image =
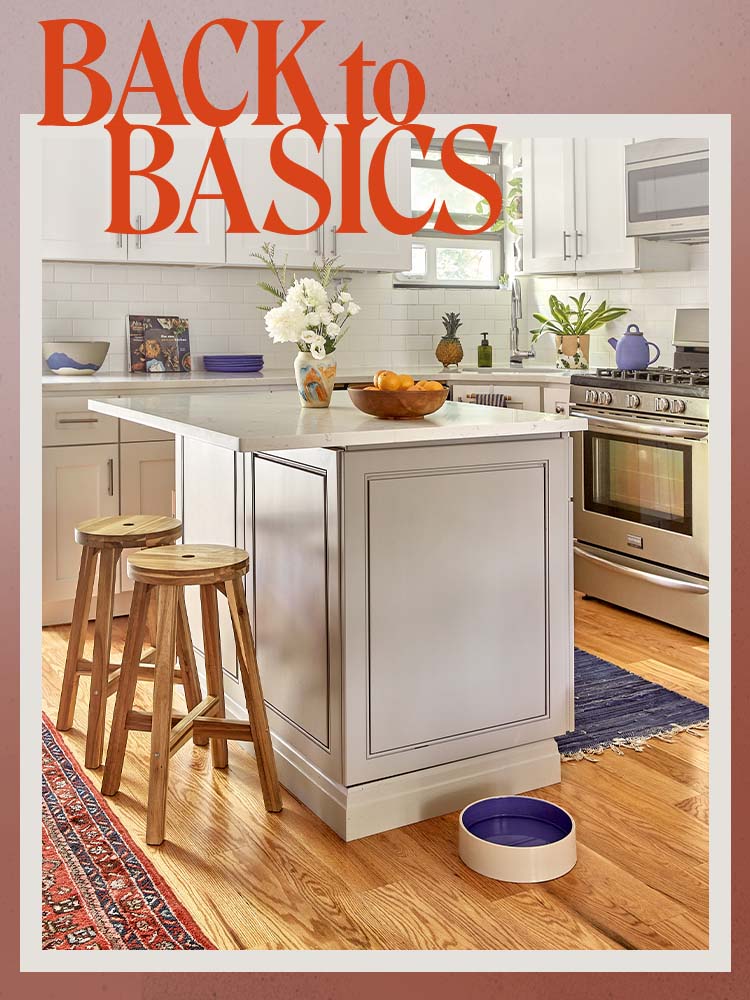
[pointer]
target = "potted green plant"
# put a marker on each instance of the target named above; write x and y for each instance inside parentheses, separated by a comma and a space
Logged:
(449, 351)
(571, 327)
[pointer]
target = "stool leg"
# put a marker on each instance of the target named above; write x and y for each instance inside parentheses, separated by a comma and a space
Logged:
(100, 661)
(256, 708)
(190, 681)
(118, 737)
(214, 674)
(161, 718)
(77, 638)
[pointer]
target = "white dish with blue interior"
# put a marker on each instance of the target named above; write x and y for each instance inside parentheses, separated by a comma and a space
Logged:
(75, 357)
(513, 838)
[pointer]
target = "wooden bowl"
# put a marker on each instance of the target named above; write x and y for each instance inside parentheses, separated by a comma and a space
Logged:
(399, 404)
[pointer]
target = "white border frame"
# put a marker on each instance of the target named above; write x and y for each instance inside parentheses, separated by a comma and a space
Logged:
(717, 957)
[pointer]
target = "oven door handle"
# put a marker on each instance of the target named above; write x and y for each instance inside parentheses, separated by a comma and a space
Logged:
(644, 429)
(642, 574)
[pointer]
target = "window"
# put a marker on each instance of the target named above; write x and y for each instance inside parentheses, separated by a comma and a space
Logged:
(440, 258)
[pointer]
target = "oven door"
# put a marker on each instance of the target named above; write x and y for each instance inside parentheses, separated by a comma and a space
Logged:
(641, 488)
(667, 196)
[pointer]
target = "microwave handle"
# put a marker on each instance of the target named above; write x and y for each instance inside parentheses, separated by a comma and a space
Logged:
(657, 430)
(642, 574)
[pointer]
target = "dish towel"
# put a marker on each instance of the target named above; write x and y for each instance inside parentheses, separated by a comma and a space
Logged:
(491, 399)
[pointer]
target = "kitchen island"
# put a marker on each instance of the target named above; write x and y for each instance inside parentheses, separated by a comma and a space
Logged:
(410, 587)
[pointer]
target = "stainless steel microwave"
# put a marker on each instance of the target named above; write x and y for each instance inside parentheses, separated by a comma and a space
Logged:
(666, 185)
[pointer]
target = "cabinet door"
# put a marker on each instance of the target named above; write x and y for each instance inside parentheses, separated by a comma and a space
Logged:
(76, 196)
(548, 206)
(207, 245)
(78, 482)
(556, 398)
(146, 484)
(600, 240)
(377, 249)
(261, 186)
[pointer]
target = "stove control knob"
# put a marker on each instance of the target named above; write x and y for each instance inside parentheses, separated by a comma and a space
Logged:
(633, 400)
(592, 396)
(661, 404)
(605, 397)
(677, 406)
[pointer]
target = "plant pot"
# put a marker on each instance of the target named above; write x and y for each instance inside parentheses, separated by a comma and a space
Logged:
(572, 351)
(449, 352)
(314, 379)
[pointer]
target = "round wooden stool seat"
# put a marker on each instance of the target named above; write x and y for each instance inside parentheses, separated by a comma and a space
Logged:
(128, 532)
(181, 565)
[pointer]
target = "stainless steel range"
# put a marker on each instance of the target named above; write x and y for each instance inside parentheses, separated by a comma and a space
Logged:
(641, 491)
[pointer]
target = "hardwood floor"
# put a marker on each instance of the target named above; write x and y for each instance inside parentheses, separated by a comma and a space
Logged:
(257, 880)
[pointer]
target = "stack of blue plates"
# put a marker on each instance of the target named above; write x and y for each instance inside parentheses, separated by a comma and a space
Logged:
(233, 362)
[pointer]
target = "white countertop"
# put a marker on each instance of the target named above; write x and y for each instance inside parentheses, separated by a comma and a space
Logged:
(268, 421)
(136, 382)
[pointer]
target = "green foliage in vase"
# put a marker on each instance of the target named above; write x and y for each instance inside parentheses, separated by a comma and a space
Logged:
(326, 270)
(575, 320)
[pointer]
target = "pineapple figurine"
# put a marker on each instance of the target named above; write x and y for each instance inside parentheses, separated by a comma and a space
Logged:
(449, 351)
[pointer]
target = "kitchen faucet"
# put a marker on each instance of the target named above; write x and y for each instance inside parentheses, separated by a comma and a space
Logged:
(516, 312)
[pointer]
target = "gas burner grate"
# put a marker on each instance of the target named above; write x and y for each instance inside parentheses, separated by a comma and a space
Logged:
(661, 376)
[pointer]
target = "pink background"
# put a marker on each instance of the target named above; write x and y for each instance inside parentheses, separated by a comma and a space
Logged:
(536, 57)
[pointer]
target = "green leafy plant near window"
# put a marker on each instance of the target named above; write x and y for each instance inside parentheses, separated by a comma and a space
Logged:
(575, 320)
(511, 208)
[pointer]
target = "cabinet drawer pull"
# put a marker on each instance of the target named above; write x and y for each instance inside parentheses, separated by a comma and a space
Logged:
(139, 236)
(119, 241)
(333, 234)
(566, 237)
(579, 236)
(78, 420)
(111, 476)
(317, 240)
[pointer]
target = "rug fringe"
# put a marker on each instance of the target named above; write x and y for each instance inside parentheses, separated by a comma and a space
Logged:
(637, 743)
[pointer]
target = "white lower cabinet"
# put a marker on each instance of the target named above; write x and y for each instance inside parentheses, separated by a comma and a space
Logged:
(146, 484)
(517, 397)
(555, 398)
(78, 482)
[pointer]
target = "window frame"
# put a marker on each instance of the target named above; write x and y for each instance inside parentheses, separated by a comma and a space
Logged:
(430, 239)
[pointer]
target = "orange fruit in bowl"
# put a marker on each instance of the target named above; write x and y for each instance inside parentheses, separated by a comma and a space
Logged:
(372, 388)
(432, 385)
(382, 371)
(389, 381)
(406, 382)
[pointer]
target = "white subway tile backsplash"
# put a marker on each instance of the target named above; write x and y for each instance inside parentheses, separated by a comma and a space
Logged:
(399, 327)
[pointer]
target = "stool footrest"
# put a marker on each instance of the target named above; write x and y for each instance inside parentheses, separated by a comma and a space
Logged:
(182, 732)
(141, 722)
(228, 729)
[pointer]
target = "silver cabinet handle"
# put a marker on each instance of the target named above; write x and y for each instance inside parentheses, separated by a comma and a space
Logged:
(139, 236)
(317, 240)
(641, 574)
(333, 234)
(119, 241)
(78, 420)
(111, 476)
(579, 236)
(566, 237)
(644, 429)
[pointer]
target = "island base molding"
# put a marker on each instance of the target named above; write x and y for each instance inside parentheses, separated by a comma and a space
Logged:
(386, 804)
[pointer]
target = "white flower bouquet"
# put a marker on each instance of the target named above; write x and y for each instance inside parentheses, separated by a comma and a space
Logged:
(308, 314)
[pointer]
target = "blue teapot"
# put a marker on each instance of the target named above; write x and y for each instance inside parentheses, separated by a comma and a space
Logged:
(632, 350)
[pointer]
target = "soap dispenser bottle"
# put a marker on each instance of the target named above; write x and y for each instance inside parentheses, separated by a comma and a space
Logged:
(484, 353)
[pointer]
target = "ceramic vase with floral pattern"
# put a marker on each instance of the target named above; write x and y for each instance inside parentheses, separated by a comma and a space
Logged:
(314, 379)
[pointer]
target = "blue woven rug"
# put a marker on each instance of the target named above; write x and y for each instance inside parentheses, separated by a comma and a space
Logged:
(617, 710)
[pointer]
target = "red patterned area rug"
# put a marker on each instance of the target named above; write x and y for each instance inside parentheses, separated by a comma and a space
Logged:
(99, 891)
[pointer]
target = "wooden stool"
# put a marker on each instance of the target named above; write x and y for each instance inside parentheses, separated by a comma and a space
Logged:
(168, 570)
(103, 539)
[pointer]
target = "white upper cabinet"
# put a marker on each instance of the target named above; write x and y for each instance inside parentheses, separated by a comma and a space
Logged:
(548, 206)
(76, 196)
(206, 245)
(250, 156)
(601, 243)
(574, 206)
(377, 249)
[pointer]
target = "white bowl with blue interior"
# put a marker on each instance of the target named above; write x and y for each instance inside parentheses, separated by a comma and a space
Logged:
(513, 838)
(75, 357)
